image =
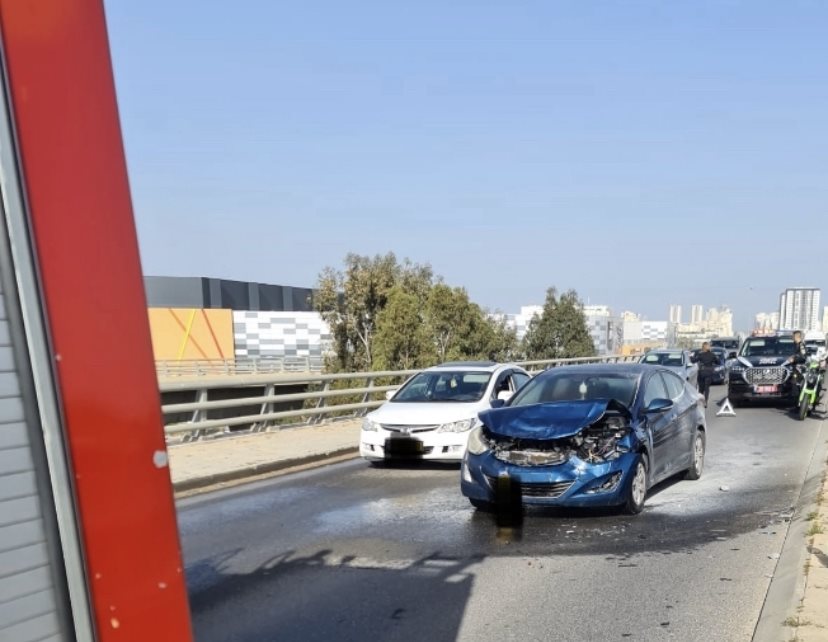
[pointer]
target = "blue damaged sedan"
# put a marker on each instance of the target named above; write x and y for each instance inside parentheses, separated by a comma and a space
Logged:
(593, 435)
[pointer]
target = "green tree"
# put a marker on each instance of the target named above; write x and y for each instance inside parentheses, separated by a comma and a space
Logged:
(350, 301)
(541, 340)
(489, 338)
(447, 314)
(460, 329)
(560, 332)
(402, 341)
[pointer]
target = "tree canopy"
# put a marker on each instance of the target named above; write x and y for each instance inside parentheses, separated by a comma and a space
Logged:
(384, 314)
(390, 315)
(560, 331)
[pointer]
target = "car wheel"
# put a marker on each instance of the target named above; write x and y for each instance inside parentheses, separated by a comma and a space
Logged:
(637, 487)
(697, 455)
(481, 505)
(377, 463)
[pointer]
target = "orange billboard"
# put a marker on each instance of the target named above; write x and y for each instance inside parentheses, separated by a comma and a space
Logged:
(184, 334)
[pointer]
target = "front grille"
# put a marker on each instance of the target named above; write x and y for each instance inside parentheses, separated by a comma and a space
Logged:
(406, 428)
(760, 376)
(532, 457)
(550, 490)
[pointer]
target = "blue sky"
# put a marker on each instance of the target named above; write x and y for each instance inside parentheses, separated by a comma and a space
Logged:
(643, 153)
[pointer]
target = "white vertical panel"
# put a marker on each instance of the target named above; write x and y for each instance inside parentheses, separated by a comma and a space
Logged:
(28, 610)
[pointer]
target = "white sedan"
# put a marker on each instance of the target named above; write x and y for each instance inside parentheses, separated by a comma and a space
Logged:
(430, 416)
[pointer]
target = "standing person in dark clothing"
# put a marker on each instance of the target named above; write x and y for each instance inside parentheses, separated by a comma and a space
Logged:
(800, 354)
(707, 361)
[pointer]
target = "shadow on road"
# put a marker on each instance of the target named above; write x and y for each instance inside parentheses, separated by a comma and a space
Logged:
(320, 596)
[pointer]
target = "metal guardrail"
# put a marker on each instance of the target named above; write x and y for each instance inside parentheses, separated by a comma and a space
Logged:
(358, 395)
(240, 366)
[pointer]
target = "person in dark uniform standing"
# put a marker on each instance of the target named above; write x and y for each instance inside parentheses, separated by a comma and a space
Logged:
(800, 353)
(799, 356)
(707, 361)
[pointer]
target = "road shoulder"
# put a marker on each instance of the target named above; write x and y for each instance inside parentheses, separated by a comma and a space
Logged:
(796, 605)
(201, 466)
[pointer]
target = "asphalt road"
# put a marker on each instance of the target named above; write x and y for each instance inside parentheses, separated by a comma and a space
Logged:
(351, 552)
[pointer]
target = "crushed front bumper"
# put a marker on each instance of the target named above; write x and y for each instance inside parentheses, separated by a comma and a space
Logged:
(566, 484)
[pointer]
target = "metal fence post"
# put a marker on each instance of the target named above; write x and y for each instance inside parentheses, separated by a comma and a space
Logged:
(198, 416)
(365, 398)
(322, 403)
(267, 407)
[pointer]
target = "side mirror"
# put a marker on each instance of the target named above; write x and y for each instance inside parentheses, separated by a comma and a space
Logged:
(505, 395)
(658, 405)
(498, 403)
(389, 394)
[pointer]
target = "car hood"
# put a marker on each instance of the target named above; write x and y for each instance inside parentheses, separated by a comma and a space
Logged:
(426, 413)
(556, 420)
(753, 362)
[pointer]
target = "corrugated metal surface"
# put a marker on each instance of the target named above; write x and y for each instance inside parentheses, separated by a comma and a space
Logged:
(28, 609)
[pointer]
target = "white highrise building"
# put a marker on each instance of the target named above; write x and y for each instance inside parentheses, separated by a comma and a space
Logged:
(697, 314)
(766, 321)
(825, 319)
(675, 314)
(720, 321)
(799, 309)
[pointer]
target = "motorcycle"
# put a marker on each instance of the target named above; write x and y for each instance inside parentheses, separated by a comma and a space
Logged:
(812, 373)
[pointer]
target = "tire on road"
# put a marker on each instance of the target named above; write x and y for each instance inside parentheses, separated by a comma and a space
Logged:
(804, 406)
(697, 456)
(635, 493)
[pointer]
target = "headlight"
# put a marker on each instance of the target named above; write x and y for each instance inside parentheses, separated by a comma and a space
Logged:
(477, 444)
(458, 426)
(370, 425)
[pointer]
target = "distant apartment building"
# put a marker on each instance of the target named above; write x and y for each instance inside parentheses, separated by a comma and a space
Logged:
(799, 309)
(640, 335)
(766, 321)
(605, 329)
(719, 322)
(825, 319)
(675, 314)
(640, 331)
(696, 314)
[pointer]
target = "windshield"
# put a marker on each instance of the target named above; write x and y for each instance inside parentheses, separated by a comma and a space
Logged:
(453, 385)
(574, 386)
(730, 344)
(663, 358)
(768, 347)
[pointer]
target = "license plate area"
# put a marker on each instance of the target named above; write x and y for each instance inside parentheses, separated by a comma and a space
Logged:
(403, 447)
(766, 390)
